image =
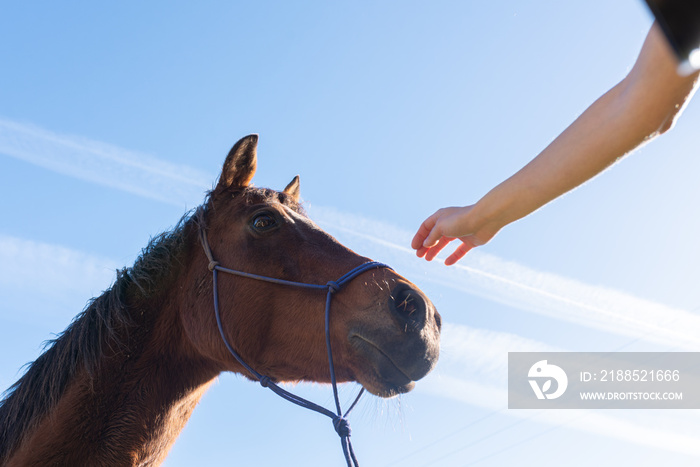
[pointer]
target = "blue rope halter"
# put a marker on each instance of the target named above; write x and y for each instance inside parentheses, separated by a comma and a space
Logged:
(339, 419)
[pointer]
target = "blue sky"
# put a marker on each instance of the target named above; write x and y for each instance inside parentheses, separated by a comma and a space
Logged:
(115, 119)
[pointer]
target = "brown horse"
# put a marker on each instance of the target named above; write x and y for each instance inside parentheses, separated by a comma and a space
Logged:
(119, 384)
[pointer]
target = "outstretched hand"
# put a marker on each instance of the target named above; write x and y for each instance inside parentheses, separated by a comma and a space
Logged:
(444, 226)
(642, 106)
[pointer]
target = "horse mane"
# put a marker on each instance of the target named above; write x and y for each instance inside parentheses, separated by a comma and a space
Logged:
(107, 322)
(103, 324)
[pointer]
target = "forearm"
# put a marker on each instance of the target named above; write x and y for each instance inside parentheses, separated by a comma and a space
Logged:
(642, 106)
(601, 135)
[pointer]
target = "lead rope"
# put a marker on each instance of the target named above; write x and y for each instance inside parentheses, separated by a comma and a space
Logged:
(339, 419)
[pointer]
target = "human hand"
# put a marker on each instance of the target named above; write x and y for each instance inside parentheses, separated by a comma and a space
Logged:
(444, 226)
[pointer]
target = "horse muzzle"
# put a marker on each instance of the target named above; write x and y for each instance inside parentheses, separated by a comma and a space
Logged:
(403, 348)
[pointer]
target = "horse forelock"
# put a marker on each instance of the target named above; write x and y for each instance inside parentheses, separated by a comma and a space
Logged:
(250, 195)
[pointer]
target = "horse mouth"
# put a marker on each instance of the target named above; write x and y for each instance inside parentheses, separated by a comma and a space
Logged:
(381, 376)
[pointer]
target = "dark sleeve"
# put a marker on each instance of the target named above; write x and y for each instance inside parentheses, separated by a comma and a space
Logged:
(680, 22)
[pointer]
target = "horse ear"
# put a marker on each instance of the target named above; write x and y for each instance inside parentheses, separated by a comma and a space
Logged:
(293, 189)
(240, 164)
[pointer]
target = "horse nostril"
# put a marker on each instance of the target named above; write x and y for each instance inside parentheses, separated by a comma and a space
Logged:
(409, 307)
(405, 302)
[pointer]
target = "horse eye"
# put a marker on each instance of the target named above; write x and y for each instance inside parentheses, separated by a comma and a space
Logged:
(263, 222)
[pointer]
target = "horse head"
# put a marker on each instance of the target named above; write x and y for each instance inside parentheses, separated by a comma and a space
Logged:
(118, 385)
(384, 330)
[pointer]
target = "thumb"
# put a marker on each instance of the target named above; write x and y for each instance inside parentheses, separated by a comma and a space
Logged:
(433, 237)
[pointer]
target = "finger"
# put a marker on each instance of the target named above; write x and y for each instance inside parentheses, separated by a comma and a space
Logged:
(423, 231)
(434, 237)
(420, 252)
(459, 253)
(437, 248)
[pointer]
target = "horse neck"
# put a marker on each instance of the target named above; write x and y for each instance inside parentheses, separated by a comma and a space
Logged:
(131, 410)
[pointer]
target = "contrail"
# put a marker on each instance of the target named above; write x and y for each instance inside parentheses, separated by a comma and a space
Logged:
(479, 274)
(653, 430)
(104, 164)
(30, 270)
(473, 370)
(521, 287)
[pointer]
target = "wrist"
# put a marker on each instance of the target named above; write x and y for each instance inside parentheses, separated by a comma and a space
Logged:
(490, 214)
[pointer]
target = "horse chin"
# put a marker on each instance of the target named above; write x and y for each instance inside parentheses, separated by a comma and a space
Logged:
(378, 373)
(388, 391)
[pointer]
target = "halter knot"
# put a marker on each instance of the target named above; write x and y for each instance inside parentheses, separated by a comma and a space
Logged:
(213, 264)
(342, 427)
(333, 286)
(265, 381)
